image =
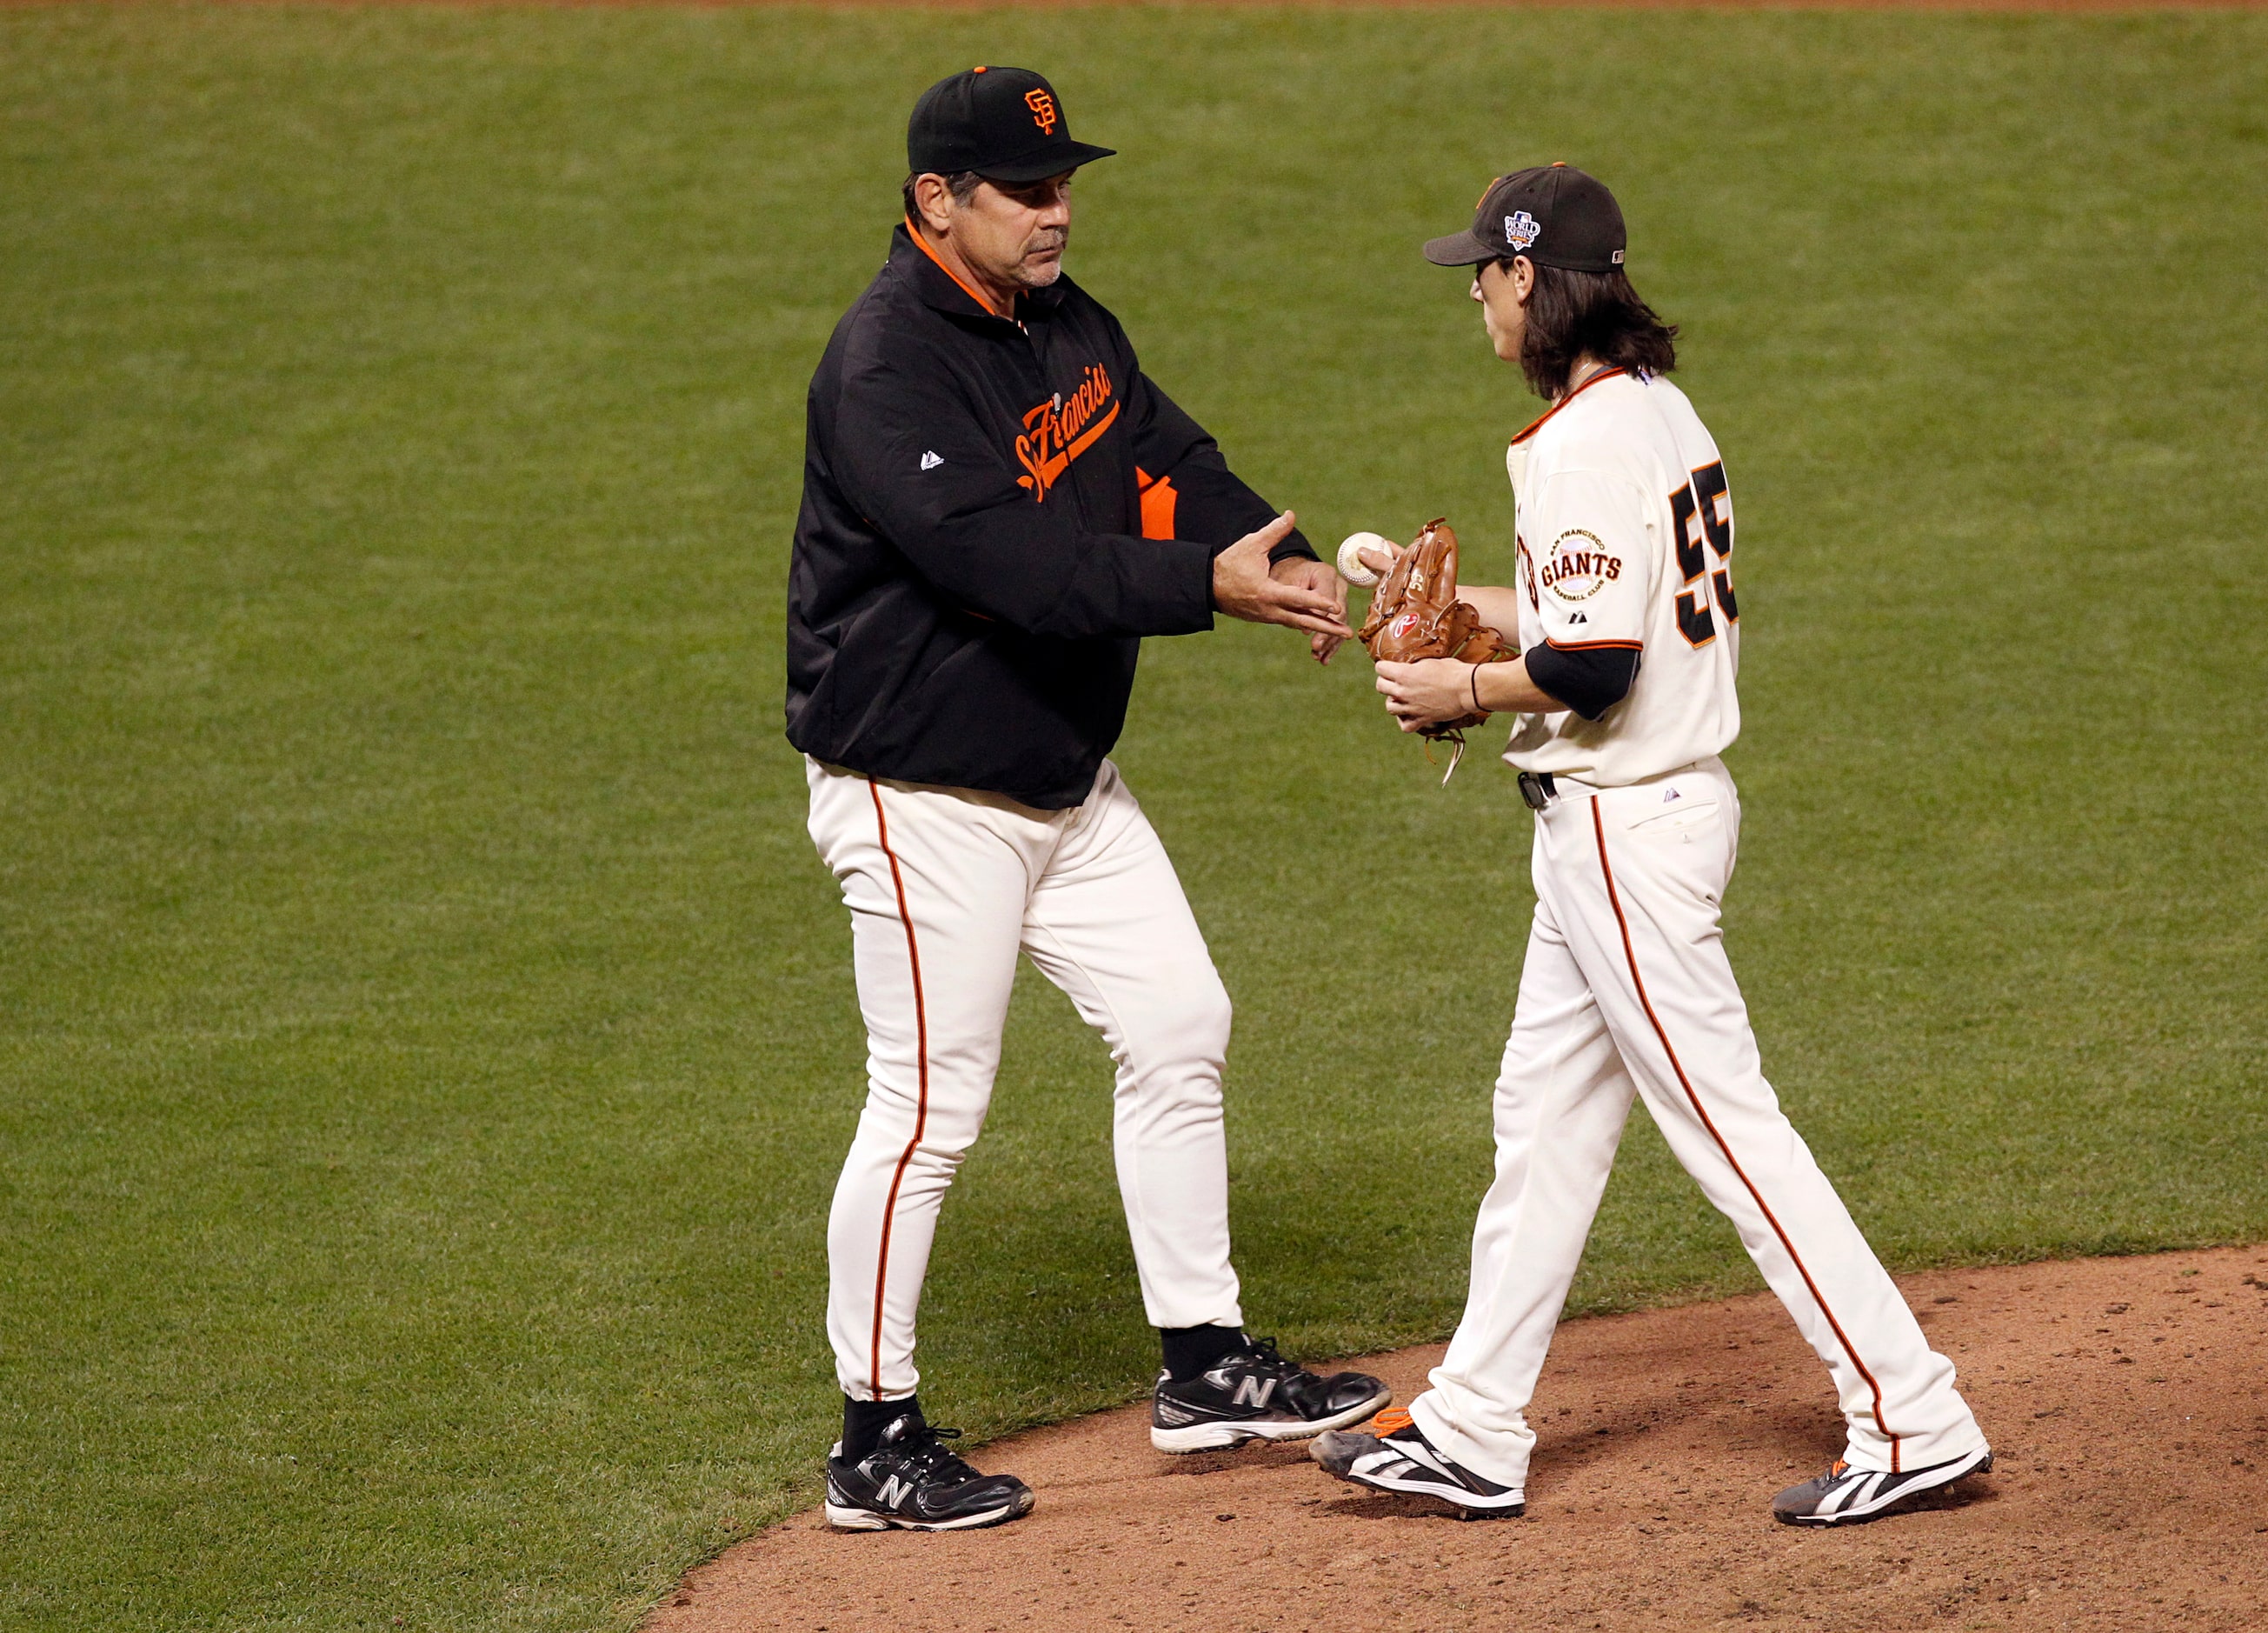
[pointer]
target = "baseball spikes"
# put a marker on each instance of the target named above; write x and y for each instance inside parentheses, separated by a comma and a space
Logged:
(911, 1482)
(1846, 1496)
(1403, 1460)
(1257, 1394)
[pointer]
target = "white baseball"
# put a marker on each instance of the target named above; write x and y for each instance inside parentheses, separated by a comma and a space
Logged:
(1352, 567)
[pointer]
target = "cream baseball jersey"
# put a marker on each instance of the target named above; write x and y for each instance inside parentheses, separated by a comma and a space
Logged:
(1626, 532)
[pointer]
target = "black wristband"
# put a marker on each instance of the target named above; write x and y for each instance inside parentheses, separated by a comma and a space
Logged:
(1478, 709)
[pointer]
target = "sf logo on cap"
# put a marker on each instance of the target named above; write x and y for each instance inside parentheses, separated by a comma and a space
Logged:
(1043, 110)
(1522, 229)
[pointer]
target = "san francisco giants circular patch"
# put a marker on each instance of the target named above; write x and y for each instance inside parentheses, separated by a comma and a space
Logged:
(1578, 566)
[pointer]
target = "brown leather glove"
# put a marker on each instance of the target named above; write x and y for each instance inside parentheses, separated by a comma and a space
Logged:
(1416, 614)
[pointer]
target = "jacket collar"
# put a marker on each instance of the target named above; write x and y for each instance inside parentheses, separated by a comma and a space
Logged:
(939, 286)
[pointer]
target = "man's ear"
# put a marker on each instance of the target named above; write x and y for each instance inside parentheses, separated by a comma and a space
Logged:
(934, 197)
(1523, 278)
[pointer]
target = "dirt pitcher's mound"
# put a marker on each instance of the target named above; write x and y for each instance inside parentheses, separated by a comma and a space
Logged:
(2127, 1401)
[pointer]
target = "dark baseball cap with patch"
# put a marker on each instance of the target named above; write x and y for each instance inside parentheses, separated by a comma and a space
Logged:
(1006, 124)
(1553, 214)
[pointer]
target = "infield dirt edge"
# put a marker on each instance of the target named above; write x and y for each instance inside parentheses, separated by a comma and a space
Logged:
(2106, 1384)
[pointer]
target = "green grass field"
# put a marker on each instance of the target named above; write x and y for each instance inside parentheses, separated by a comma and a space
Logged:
(427, 1035)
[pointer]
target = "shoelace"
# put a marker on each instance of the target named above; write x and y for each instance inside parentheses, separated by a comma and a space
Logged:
(927, 1453)
(1265, 1357)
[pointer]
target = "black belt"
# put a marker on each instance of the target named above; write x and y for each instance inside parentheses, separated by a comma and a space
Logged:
(1537, 789)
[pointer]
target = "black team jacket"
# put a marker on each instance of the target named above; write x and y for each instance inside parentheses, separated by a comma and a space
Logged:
(995, 512)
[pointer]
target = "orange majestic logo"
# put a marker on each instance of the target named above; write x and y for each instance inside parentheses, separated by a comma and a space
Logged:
(1061, 429)
(1043, 110)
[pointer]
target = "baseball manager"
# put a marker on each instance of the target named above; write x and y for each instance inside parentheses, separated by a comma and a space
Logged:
(997, 507)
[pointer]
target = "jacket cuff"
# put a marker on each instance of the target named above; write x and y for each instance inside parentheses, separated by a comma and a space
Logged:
(1295, 547)
(1193, 610)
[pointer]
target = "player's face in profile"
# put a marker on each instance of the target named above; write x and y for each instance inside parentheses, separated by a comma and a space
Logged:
(1013, 233)
(1503, 296)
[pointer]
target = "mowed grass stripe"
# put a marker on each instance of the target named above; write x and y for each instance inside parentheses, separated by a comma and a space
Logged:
(428, 1036)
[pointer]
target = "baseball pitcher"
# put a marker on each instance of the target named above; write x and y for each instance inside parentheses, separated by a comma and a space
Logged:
(1621, 678)
(997, 506)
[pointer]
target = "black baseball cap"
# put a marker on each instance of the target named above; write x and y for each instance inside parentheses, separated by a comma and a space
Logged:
(1553, 214)
(1006, 124)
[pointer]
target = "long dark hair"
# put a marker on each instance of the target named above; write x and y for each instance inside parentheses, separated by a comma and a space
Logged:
(1570, 314)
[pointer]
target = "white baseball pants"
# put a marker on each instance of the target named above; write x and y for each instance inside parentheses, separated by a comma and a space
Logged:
(1626, 989)
(945, 887)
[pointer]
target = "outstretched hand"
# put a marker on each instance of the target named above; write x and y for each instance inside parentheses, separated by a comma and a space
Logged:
(1302, 573)
(1243, 586)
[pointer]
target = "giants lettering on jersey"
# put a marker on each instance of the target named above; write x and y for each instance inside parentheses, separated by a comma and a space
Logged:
(1579, 565)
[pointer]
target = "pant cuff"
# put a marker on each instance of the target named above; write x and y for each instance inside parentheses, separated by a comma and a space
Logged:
(1489, 1460)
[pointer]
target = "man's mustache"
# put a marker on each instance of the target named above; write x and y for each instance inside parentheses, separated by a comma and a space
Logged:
(1041, 243)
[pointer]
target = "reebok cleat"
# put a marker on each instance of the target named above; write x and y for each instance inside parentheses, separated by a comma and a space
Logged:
(1405, 1462)
(1845, 1496)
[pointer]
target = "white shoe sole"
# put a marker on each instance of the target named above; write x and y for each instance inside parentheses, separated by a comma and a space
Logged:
(1511, 1506)
(1976, 1463)
(1213, 1437)
(866, 1519)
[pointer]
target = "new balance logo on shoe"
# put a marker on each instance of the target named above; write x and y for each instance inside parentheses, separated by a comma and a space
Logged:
(892, 1492)
(1257, 1394)
(931, 460)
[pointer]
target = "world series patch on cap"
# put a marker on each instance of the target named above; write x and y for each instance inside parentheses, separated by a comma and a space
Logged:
(1007, 124)
(1553, 214)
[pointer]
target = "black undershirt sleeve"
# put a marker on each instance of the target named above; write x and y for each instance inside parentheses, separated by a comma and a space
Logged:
(1589, 679)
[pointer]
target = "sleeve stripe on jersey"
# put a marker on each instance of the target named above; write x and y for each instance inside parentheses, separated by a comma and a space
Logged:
(1593, 646)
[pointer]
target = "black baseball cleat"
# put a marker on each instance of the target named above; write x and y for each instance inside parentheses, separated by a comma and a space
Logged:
(1257, 1394)
(1403, 1460)
(911, 1482)
(1845, 1496)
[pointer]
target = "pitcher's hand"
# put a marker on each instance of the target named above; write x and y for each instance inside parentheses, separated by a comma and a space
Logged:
(1427, 693)
(1244, 588)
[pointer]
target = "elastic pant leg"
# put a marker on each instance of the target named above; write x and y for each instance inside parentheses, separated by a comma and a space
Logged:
(1561, 1101)
(937, 885)
(1636, 877)
(1109, 924)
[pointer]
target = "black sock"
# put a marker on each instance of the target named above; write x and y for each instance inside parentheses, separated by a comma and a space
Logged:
(1190, 1350)
(864, 1421)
